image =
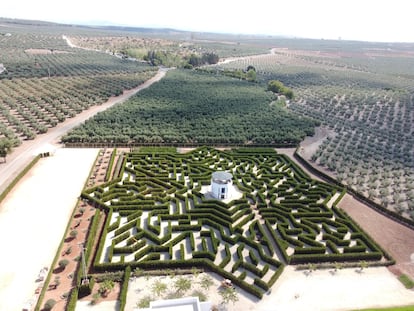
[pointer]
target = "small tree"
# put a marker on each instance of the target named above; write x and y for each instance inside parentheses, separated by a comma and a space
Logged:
(68, 250)
(106, 287)
(49, 304)
(138, 271)
(144, 302)
(206, 281)
(56, 281)
(362, 265)
(5, 147)
(229, 294)
(95, 298)
(338, 266)
(371, 193)
(73, 234)
(251, 75)
(201, 296)
(171, 273)
(63, 263)
(159, 287)
(195, 271)
(311, 267)
(182, 285)
(250, 67)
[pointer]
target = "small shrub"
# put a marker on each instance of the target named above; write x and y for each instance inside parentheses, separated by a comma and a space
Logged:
(144, 302)
(206, 281)
(406, 280)
(63, 263)
(65, 295)
(182, 284)
(73, 234)
(95, 298)
(201, 296)
(49, 304)
(56, 281)
(105, 287)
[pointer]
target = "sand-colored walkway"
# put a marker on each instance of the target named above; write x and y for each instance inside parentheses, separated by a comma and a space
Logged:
(321, 290)
(325, 291)
(33, 219)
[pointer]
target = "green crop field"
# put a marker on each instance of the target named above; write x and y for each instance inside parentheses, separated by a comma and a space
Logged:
(159, 215)
(190, 107)
(367, 103)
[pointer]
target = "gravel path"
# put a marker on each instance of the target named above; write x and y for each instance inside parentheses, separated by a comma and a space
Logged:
(396, 239)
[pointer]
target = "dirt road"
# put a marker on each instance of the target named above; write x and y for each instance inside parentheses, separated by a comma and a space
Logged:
(23, 154)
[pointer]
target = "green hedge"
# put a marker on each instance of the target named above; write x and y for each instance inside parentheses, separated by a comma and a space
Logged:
(407, 281)
(110, 165)
(303, 259)
(124, 289)
(86, 289)
(73, 299)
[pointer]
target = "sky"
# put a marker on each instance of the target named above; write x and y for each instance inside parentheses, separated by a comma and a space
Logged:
(365, 20)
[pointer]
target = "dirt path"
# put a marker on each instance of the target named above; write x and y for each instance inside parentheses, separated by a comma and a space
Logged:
(396, 239)
(23, 154)
(311, 143)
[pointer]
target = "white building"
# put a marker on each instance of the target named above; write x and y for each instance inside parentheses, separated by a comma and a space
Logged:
(180, 304)
(221, 183)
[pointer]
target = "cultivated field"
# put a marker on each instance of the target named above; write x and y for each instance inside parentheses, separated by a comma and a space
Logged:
(364, 99)
(196, 108)
(44, 81)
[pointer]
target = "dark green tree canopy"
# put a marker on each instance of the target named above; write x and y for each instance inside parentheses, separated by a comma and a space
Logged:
(195, 107)
(5, 147)
(206, 58)
(250, 67)
(276, 86)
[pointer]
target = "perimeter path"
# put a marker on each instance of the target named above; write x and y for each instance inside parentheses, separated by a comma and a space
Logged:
(23, 154)
(33, 218)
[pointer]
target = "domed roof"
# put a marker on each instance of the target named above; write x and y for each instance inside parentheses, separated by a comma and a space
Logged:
(221, 176)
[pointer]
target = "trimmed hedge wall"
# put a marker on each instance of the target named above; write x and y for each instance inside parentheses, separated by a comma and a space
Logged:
(393, 215)
(160, 209)
(124, 289)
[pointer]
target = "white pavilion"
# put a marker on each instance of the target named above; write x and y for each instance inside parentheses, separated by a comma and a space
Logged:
(221, 183)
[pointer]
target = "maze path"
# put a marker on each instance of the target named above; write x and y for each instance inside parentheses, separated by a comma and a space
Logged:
(158, 216)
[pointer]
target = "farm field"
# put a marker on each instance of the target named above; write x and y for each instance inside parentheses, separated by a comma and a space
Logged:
(196, 108)
(44, 81)
(364, 100)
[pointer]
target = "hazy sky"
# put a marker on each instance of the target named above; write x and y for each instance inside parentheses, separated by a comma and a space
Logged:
(371, 20)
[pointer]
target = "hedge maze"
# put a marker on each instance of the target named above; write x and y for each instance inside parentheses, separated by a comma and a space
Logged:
(159, 216)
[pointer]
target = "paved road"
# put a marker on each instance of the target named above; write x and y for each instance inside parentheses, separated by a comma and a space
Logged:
(22, 155)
